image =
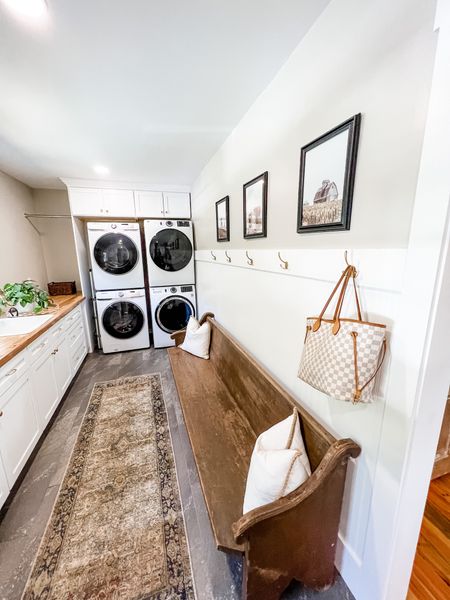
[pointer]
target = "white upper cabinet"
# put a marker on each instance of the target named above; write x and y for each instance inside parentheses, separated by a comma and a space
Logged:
(177, 205)
(91, 202)
(86, 202)
(118, 203)
(162, 205)
(149, 204)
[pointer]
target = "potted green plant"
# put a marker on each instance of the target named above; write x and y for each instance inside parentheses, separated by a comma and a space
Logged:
(25, 296)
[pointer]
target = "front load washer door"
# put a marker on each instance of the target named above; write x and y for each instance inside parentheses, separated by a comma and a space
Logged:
(173, 313)
(123, 320)
(170, 250)
(116, 253)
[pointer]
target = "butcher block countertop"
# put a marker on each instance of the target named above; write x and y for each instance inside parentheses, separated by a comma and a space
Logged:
(10, 345)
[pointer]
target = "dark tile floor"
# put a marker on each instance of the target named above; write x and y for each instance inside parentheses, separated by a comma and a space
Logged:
(216, 575)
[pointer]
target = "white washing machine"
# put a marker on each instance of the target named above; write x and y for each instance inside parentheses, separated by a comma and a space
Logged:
(171, 308)
(170, 252)
(122, 320)
(116, 256)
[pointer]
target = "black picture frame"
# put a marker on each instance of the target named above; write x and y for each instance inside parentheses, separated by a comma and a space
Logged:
(225, 238)
(343, 223)
(261, 231)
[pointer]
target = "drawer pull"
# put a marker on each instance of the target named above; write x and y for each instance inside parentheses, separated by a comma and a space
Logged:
(1, 413)
(11, 372)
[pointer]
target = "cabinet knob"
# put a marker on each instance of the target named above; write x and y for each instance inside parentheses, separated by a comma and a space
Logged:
(1, 413)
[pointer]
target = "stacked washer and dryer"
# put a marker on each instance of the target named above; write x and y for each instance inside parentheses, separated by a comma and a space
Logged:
(171, 274)
(118, 279)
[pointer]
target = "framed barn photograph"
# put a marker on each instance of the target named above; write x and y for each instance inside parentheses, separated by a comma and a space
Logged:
(223, 219)
(327, 173)
(255, 207)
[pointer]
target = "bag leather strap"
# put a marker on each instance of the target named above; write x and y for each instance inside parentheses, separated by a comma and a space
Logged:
(359, 390)
(349, 273)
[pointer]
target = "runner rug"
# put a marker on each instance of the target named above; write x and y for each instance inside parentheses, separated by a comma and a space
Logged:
(117, 529)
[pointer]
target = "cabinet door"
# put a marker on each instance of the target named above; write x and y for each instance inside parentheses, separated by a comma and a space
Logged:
(86, 202)
(118, 203)
(177, 205)
(4, 487)
(19, 427)
(149, 204)
(45, 391)
(62, 367)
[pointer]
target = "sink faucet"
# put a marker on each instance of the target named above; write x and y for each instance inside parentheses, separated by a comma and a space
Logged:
(13, 312)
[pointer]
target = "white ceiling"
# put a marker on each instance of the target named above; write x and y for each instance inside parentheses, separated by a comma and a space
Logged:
(150, 88)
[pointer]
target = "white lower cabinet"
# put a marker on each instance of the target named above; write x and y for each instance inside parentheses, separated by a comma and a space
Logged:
(4, 487)
(31, 386)
(62, 367)
(19, 427)
(45, 389)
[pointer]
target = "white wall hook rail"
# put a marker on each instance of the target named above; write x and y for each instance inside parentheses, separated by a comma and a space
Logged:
(378, 268)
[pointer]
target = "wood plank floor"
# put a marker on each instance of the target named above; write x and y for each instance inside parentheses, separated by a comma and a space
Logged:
(430, 579)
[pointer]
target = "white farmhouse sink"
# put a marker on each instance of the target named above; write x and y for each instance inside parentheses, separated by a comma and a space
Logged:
(21, 325)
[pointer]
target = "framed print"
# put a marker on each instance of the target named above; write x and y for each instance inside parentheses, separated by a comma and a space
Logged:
(255, 207)
(327, 173)
(223, 219)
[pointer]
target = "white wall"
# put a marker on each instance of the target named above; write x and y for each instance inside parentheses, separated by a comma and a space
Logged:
(22, 255)
(373, 57)
(56, 235)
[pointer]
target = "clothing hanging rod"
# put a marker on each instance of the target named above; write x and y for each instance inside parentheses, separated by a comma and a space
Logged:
(29, 216)
(44, 216)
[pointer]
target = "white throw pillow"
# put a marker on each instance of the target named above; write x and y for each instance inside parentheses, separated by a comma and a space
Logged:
(197, 338)
(279, 464)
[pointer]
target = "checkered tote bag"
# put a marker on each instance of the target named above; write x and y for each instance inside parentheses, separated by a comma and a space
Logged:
(342, 356)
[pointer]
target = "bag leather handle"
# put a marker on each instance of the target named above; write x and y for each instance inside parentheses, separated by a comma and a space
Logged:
(318, 321)
(348, 273)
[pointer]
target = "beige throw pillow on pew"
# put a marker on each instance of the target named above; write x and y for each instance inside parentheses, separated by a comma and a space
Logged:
(197, 338)
(279, 464)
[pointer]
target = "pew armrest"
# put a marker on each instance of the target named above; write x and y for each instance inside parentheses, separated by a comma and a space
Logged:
(336, 455)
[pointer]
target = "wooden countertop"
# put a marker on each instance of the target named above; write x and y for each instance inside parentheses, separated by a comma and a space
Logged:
(10, 345)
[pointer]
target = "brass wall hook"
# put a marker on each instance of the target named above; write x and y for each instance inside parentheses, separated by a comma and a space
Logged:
(228, 257)
(249, 260)
(213, 255)
(284, 263)
(354, 271)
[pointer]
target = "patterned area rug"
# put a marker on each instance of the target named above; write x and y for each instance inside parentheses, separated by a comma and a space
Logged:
(117, 530)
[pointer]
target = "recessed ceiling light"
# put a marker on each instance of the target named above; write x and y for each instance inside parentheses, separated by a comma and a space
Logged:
(101, 170)
(32, 11)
